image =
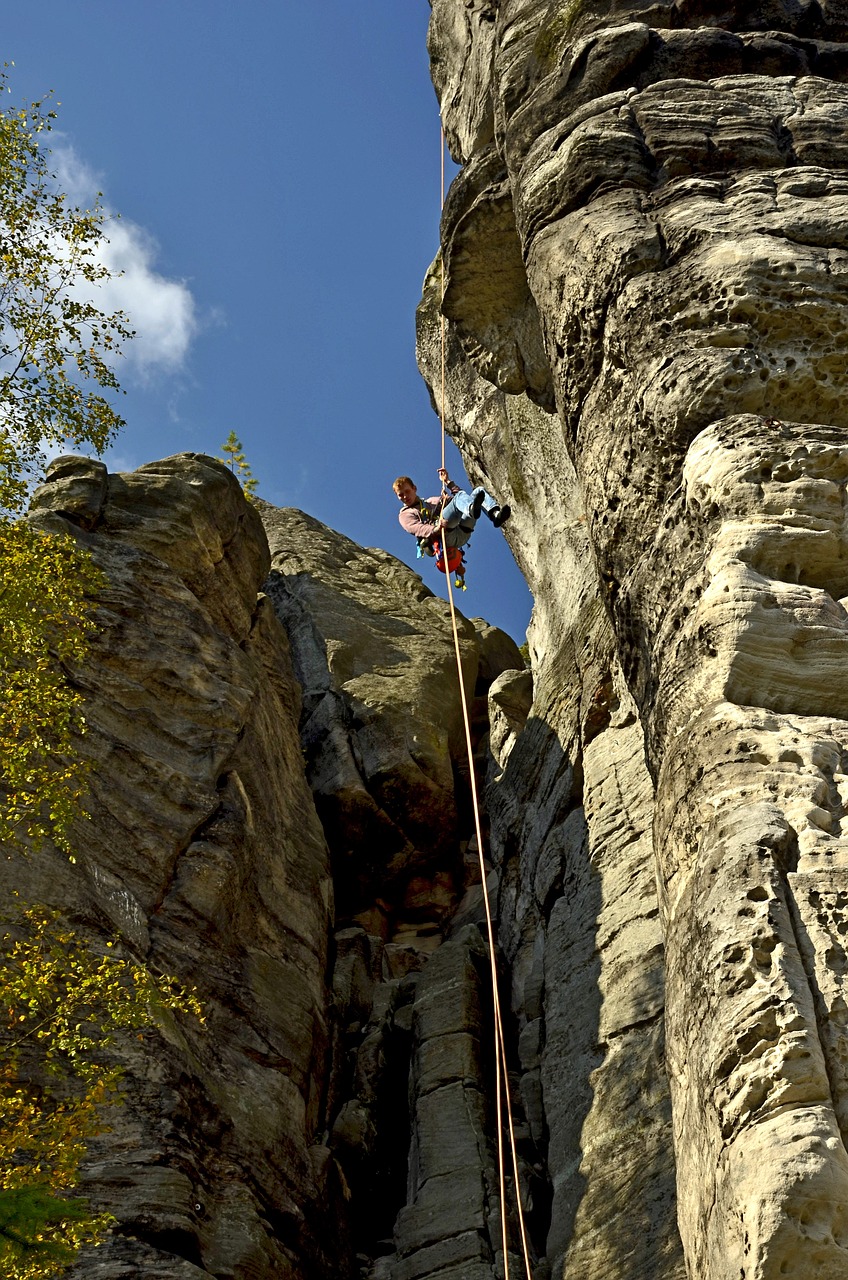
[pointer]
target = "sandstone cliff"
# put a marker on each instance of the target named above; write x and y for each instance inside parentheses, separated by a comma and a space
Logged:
(279, 816)
(204, 855)
(645, 286)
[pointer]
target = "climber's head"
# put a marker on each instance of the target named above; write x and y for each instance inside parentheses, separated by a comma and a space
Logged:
(406, 491)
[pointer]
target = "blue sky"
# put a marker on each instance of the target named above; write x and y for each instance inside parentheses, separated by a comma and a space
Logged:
(276, 168)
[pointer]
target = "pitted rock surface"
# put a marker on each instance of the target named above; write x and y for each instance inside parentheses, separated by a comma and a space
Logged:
(646, 270)
(673, 182)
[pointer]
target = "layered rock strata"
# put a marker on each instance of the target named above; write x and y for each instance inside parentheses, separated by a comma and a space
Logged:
(331, 1118)
(205, 857)
(384, 747)
(645, 287)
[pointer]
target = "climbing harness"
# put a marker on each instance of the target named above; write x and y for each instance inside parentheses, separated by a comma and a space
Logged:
(425, 545)
(433, 547)
(500, 1043)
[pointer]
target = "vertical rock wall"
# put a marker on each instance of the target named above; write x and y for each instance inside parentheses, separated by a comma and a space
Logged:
(279, 815)
(409, 1105)
(204, 856)
(645, 288)
(382, 726)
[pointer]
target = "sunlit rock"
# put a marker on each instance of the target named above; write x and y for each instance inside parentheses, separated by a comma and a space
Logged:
(680, 203)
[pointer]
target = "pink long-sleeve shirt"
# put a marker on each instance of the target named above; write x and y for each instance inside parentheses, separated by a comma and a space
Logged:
(411, 518)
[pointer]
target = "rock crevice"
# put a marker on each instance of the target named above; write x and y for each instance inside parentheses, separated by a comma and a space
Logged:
(677, 181)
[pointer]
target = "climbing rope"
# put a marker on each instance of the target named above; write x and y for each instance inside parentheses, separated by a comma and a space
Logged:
(501, 1073)
(441, 300)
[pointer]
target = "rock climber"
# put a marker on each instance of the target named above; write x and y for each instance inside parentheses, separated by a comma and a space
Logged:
(454, 512)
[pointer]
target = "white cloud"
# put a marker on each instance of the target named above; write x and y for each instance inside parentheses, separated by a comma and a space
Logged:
(162, 311)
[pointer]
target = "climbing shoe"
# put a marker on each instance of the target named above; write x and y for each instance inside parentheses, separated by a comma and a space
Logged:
(500, 515)
(476, 505)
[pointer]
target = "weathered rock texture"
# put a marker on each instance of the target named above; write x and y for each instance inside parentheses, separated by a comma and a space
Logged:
(645, 285)
(204, 854)
(382, 724)
(646, 277)
(331, 1119)
(385, 754)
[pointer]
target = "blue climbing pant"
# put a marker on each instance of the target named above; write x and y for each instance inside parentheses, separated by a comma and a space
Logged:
(457, 516)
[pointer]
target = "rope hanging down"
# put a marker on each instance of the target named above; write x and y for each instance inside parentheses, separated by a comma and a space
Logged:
(501, 1076)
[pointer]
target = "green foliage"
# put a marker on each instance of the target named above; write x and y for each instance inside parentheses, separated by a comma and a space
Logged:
(32, 1225)
(45, 621)
(55, 343)
(62, 1005)
(239, 465)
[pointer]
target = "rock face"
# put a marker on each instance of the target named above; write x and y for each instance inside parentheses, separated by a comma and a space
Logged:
(332, 1116)
(205, 856)
(382, 725)
(645, 287)
(384, 747)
